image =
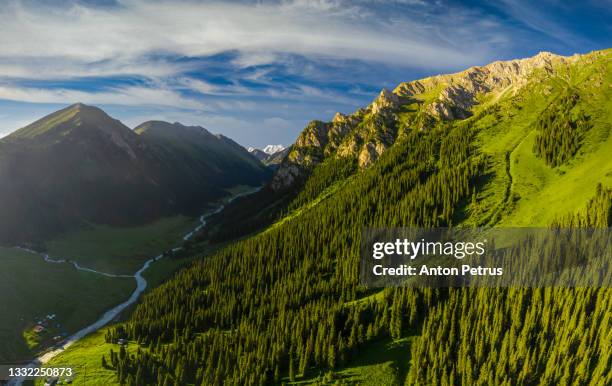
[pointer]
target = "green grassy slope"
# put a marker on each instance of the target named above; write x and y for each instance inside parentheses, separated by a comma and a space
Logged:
(85, 357)
(380, 363)
(523, 190)
(31, 289)
(120, 250)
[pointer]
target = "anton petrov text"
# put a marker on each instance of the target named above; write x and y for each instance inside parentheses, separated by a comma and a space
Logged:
(492, 257)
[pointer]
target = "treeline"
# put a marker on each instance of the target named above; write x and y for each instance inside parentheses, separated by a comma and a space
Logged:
(286, 302)
(598, 212)
(324, 175)
(560, 129)
(525, 336)
(327, 339)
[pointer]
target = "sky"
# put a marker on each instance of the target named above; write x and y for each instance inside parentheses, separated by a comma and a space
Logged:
(258, 71)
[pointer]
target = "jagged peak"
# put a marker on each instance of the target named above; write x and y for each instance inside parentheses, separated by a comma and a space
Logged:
(386, 95)
(545, 54)
(460, 89)
(339, 117)
(386, 100)
(440, 97)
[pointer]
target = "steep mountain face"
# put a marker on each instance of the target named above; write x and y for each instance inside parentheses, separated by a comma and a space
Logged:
(367, 133)
(206, 158)
(79, 166)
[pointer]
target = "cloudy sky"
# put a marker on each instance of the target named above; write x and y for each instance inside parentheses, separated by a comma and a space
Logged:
(258, 71)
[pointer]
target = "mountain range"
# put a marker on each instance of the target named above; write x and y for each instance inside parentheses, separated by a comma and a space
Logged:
(79, 166)
(271, 155)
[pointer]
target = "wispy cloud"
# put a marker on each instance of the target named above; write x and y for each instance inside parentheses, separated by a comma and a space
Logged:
(127, 96)
(253, 66)
(538, 16)
(117, 38)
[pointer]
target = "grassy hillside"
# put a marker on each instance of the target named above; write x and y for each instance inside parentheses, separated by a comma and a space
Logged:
(522, 182)
(285, 304)
(85, 358)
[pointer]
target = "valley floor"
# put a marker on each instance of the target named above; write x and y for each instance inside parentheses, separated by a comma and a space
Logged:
(33, 289)
(48, 301)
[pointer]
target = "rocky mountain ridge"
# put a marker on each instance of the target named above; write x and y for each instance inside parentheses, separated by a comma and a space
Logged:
(369, 131)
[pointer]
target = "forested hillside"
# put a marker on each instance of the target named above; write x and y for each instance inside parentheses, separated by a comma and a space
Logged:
(285, 304)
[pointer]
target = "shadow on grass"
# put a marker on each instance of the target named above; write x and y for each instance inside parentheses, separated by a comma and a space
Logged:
(382, 362)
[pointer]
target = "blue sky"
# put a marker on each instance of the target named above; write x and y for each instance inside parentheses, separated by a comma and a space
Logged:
(259, 71)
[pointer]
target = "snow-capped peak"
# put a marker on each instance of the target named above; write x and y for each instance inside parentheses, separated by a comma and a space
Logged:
(271, 149)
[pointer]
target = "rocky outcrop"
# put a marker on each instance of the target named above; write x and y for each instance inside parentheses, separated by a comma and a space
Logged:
(370, 153)
(362, 135)
(307, 151)
(286, 175)
(386, 101)
(317, 141)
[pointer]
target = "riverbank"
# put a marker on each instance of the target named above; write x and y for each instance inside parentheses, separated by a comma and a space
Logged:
(141, 285)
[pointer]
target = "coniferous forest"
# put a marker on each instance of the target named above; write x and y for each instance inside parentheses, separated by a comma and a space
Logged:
(284, 303)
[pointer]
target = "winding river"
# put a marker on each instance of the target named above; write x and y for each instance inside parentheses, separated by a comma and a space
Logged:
(141, 285)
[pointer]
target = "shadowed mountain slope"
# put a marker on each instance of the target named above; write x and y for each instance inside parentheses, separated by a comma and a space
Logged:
(79, 166)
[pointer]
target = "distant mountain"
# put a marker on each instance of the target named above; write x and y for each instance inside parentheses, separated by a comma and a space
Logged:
(275, 159)
(273, 149)
(271, 155)
(257, 153)
(79, 166)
